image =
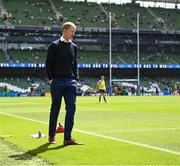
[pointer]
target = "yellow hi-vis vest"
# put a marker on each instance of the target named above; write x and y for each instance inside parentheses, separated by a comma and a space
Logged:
(102, 85)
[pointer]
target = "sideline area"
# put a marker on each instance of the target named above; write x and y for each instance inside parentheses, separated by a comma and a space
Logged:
(13, 156)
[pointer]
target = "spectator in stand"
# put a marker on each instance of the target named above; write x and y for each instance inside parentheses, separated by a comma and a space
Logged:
(142, 91)
(157, 91)
(175, 89)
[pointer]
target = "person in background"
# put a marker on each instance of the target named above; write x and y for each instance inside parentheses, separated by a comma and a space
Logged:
(102, 89)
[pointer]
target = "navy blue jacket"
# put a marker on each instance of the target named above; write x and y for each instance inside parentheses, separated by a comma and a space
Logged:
(61, 60)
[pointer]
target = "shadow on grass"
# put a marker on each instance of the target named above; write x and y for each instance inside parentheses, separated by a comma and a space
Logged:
(34, 152)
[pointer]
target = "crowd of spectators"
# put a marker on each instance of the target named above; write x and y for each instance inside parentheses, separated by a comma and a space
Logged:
(119, 56)
(149, 86)
(25, 85)
(87, 14)
(30, 13)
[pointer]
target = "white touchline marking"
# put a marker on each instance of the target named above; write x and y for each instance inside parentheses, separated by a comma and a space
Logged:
(129, 142)
(104, 136)
(139, 130)
(21, 117)
(19, 103)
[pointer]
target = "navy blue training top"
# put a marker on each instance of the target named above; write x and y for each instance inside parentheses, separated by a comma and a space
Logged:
(61, 60)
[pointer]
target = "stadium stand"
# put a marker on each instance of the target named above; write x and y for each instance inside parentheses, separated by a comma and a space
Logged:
(149, 58)
(167, 19)
(30, 25)
(23, 84)
(27, 56)
(29, 12)
(124, 16)
(84, 14)
(94, 57)
(2, 57)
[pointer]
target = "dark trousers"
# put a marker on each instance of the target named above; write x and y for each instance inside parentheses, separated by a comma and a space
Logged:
(62, 88)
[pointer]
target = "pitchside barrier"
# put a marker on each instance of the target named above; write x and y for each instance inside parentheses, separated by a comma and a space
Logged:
(16, 94)
(135, 90)
(9, 94)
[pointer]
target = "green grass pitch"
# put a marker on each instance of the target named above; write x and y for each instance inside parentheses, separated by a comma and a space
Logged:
(125, 131)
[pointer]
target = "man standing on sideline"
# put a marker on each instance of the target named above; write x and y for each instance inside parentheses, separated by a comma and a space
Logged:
(102, 88)
(62, 72)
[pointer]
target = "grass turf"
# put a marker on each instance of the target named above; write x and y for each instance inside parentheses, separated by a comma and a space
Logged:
(150, 120)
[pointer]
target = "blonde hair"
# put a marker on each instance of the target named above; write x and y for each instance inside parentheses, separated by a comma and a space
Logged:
(67, 25)
(102, 77)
